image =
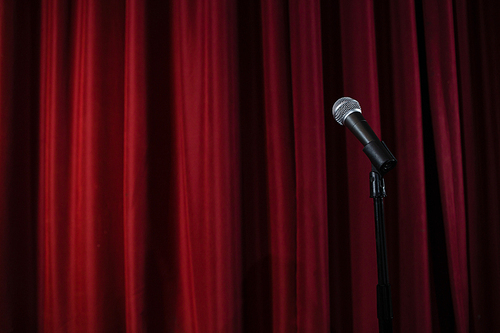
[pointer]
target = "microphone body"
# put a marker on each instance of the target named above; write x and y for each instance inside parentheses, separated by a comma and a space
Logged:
(348, 112)
(358, 125)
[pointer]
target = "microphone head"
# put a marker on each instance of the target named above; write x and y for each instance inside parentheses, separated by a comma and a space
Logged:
(343, 107)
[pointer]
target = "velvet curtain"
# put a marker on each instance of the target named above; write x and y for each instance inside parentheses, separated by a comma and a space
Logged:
(173, 166)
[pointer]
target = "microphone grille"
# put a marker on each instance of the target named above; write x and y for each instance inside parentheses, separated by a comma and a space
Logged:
(343, 107)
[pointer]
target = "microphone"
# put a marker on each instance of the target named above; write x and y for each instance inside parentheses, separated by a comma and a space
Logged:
(347, 111)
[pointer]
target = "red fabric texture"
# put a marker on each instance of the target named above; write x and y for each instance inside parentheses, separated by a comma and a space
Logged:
(175, 167)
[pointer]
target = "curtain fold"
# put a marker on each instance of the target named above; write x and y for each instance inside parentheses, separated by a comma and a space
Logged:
(19, 121)
(174, 166)
(360, 79)
(207, 165)
(401, 120)
(310, 167)
(280, 166)
(135, 171)
(479, 82)
(444, 107)
(82, 211)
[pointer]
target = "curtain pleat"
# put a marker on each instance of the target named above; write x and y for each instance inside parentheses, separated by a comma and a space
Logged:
(82, 163)
(444, 107)
(19, 92)
(360, 82)
(401, 120)
(310, 167)
(207, 167)
(479, 82)
(280, 166)
(6, 14)
(135, 172)
(175, 167)
(54, 168)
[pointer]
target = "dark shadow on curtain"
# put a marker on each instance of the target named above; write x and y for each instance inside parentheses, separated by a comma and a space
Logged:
(442, 305)
(21, 187)
(161, 271)
(336, 166)
(256, 275)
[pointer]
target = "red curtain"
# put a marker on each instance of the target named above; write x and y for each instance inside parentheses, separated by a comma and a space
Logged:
(173, 166)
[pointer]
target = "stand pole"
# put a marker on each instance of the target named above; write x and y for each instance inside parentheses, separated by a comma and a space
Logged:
(384, 304)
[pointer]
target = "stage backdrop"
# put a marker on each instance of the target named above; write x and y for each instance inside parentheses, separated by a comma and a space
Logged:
(173, 166)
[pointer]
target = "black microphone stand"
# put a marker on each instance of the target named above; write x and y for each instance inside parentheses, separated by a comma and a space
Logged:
(384, 304)
(347, 111)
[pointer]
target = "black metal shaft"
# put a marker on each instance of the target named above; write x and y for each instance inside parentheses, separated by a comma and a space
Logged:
(384, 303)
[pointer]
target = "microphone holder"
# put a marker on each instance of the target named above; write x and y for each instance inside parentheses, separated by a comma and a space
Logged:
(384, 303)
